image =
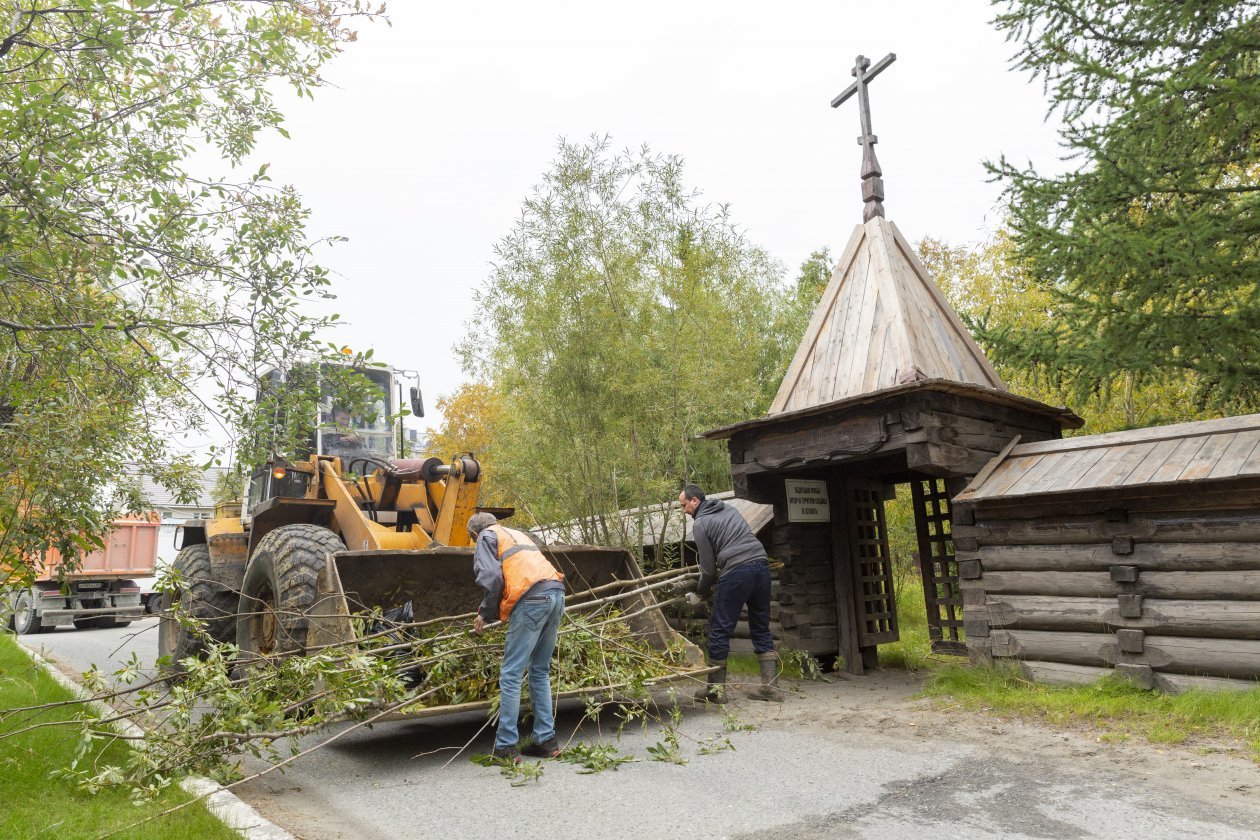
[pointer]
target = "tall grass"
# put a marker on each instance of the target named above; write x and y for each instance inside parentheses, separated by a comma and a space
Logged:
(37, 805)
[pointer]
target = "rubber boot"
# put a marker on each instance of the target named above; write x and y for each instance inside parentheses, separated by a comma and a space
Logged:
(769, 662)
(715, 691)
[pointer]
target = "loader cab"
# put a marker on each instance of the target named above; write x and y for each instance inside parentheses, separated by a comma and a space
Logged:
(360, 432)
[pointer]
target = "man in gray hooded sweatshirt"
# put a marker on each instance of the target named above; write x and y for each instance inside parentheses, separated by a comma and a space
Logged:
(731, 556)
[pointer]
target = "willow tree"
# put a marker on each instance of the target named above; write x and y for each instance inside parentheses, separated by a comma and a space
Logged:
(622, 318)
(141, 294)
(1148, 245)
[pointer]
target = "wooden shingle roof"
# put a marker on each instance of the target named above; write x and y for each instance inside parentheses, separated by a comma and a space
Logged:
(881, 323)
(1181, 454)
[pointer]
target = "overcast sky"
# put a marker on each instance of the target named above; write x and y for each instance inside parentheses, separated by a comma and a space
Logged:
(439, 125)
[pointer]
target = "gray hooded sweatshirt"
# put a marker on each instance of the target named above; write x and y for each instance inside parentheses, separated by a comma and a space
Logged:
(723, 541)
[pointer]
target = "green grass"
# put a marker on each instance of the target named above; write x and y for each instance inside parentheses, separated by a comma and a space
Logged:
(913, 651)
(746, 664)
(1115, 708)
(39, 806)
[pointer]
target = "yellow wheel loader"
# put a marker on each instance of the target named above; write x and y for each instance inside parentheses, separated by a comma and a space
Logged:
(352, 530)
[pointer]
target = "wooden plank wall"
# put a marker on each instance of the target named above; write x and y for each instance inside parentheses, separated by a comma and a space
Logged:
(1169, 598)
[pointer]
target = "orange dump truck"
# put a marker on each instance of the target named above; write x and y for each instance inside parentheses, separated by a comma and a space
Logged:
(100, 592)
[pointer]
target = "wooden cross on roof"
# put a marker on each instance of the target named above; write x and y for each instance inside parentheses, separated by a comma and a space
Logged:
(872, 182)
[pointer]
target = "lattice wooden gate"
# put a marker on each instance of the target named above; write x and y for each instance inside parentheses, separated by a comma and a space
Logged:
(940, 570)
(872, 565)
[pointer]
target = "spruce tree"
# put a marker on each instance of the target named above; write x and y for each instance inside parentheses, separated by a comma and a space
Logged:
(1149, 242)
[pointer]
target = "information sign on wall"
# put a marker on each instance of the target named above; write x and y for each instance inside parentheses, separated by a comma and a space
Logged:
(807, 501)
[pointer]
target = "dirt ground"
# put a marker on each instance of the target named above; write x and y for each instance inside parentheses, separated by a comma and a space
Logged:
(1213, 772)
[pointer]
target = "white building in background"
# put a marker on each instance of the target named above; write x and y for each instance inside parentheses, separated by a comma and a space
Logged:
(175, 514)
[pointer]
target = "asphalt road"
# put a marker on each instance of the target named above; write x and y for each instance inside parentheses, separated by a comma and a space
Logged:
(857, 758)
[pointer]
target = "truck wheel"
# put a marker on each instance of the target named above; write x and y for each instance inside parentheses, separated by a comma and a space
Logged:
(280, 588)
(200, 597)
(25, 619)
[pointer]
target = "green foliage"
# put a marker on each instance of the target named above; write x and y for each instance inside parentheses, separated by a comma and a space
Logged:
(799, 664)
(991, 289)
(667, 749)
(1111, 705)
(731, 721)
(519, 772)
(34, 746)
(715, 745)
(593, 650)
(131, 284)
(622, 319)
(1144, 253)
(913, 649)
(595, 758)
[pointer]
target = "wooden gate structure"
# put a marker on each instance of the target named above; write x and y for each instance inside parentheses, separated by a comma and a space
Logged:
(886, 388)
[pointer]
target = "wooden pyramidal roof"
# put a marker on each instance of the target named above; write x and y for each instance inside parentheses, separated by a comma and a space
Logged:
(881, 323)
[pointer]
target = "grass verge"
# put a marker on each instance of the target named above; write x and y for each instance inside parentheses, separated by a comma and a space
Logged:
(36, 805)
(1114, 707)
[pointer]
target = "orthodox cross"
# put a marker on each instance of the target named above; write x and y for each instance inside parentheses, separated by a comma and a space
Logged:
(872, 182)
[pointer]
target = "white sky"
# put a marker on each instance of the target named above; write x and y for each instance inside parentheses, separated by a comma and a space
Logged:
(439, 125)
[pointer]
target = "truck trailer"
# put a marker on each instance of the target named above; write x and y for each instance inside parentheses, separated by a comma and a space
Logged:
(101, 591)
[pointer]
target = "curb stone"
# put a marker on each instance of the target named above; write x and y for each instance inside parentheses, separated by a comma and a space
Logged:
(219, 801)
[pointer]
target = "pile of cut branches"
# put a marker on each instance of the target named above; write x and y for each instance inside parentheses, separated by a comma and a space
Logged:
(216, 710)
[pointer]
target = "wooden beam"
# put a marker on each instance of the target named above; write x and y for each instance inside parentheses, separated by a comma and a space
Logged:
(1164, 527)
(842, 577)
(1212, 586)
(1185, 557)
(1234, 658)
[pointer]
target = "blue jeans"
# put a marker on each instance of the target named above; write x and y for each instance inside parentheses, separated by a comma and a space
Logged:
(531, 639)
(747, 584)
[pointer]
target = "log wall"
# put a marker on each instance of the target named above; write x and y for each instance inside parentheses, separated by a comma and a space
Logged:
(806, 592)
(1168, 598)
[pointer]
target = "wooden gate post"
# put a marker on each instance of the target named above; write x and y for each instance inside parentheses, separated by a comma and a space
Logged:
(842, 562)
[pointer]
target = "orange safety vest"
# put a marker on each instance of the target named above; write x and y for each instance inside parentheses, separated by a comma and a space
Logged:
(523, 566)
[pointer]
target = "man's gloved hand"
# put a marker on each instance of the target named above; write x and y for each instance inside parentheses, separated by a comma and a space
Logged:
(694, 600)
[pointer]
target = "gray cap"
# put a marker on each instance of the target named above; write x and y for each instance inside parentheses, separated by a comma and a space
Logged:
(479, 522)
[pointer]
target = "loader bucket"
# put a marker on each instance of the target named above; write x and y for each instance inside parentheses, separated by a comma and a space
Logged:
(439, 582)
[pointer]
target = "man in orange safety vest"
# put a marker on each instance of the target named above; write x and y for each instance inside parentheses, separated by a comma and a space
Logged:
(526, 592)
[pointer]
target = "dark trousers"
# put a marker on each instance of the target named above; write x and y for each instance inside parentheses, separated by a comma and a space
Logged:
(747, 584)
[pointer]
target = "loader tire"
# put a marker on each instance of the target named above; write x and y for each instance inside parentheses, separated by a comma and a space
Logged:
(25, 619)
(280, 588)
(201, 597)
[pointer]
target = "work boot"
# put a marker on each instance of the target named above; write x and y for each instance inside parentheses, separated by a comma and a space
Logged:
(769, 662)
(715, 691)
(545, 749)
(507, 755)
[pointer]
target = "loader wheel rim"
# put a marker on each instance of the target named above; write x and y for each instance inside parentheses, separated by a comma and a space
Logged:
(263, 622)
